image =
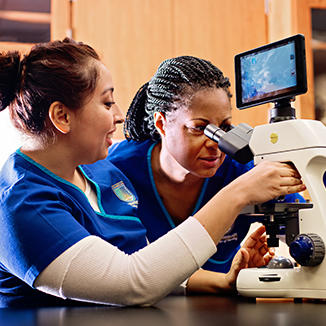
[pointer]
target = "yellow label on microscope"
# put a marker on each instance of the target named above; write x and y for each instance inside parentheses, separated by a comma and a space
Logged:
(274, 138)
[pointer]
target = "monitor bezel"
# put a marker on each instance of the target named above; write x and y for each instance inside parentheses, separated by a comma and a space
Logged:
(300, 88)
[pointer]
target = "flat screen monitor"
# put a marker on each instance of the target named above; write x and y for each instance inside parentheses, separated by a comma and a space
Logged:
(271, 72)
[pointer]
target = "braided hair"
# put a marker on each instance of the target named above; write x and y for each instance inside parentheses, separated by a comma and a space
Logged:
(174, 80)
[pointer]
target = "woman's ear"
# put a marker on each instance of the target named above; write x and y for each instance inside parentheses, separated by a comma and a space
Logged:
(160, 123)
(60, 117)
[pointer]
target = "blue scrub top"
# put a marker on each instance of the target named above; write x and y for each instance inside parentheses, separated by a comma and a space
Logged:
(42, 215)
(134, 160)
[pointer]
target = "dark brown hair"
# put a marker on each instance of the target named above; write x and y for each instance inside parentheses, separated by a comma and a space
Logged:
(63, 71)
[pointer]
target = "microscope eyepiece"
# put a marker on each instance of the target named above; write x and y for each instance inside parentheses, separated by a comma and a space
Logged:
(234, 142)
(214, 132)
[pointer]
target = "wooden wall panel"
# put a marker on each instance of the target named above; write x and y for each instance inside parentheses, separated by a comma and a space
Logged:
(217, 30)
(286, 18)
(132, 37)
(135, 35)
(321, 4)
(21, 47)
(301, 23)
(60, 19)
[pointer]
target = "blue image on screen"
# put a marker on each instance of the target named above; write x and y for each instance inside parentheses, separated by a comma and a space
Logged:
(268, 73)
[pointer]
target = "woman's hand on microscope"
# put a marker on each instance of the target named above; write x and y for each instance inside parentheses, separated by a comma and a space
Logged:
(253, 253)
(268, 180)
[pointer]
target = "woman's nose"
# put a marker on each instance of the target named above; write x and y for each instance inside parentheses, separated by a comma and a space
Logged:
(211, 143)
(118, 116)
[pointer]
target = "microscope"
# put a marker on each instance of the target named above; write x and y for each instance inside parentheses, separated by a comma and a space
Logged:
(276, 73)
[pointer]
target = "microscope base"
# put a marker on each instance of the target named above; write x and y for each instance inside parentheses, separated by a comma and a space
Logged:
(298, 282)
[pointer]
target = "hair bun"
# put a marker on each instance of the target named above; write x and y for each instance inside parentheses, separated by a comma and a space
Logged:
(10, 75)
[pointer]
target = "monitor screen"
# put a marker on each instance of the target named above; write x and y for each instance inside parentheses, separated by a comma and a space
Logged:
(271, 72)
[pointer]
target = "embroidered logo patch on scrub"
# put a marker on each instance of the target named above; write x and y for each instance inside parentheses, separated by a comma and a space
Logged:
(124, 194)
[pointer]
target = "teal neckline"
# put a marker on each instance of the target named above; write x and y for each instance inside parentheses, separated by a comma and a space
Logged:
(166, 213)
(157, 196)
(98, 191)
(48, 172)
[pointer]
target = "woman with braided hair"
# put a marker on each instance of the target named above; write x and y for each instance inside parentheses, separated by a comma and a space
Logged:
(173, 166)
(68, 219)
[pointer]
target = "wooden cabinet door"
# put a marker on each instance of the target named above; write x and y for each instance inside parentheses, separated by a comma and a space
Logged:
(134, 36)
(217, 30)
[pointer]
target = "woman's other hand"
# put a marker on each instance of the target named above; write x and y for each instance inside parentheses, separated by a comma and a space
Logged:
(253, 253)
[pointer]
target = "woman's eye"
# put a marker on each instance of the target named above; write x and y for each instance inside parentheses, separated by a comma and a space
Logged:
(109, 104)
(225, 127)
(200, 128)
(197, 129)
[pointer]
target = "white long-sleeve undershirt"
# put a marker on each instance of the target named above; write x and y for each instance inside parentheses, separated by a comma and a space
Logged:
(93, 270)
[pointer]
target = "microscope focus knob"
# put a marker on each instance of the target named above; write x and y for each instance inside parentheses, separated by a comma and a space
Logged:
(308, 249)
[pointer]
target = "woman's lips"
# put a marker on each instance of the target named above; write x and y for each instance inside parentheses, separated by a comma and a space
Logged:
(109, 137)
(210, 161)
